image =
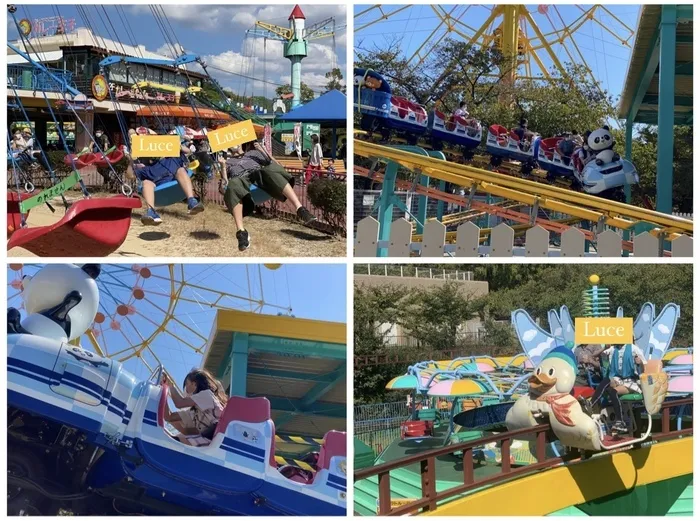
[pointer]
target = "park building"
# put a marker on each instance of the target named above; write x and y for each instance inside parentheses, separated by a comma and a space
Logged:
(72, 56)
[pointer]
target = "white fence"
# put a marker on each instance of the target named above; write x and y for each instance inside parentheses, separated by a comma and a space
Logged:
(537, 243)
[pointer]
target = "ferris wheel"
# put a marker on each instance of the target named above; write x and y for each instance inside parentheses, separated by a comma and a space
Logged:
(538, 38)
(162, 313)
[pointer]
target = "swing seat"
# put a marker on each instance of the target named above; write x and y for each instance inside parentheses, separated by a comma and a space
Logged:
(14, 216)
(168, 193)
(259, 195)
(80, 161)
(90, 228)
(109, 159)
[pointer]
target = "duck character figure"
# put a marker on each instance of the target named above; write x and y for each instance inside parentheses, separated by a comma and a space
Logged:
(549, 398)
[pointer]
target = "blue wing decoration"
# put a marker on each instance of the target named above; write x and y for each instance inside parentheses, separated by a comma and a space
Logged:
(535, 341)
(662, 331)
(555, 327)
(567, 325)
(642, 326)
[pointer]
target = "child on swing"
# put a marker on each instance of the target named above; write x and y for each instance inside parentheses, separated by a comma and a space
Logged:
(251, 164)
(153, 172)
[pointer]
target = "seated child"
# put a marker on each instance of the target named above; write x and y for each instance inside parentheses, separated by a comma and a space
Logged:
(626, 363)
(331, 168)
(205, 401)
(256, 166)
(153, 172)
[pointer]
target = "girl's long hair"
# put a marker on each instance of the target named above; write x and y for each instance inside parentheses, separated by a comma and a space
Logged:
(204, 380)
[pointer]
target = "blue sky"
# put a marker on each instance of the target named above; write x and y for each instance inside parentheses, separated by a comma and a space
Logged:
(317, 291)
(605, 55)
(216, 32)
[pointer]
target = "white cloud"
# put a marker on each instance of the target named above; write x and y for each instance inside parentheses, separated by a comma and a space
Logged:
(258, 57)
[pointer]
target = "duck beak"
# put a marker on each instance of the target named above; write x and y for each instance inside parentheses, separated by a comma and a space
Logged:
(541, 383)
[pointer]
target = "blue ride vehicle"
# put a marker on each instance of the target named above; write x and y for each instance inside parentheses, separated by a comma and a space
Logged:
(385, 112)
(84, 434)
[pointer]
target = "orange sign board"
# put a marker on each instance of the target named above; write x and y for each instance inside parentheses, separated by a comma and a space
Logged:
(155, 146)
(231, 135)
(604, 330)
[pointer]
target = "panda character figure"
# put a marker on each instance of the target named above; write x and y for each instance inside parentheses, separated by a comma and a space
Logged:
(601, 143)
(61, 301)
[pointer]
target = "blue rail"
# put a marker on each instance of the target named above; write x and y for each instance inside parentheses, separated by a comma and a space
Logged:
(27, 77)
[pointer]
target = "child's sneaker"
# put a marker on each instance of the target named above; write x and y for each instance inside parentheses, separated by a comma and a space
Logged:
(151, 218)
(305, 215)
(194, 207)
(243, 240)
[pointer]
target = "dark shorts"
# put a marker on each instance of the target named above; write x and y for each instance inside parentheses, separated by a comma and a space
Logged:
(161, 172)
(272, 179)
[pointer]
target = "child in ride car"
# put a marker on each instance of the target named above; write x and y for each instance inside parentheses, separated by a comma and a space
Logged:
(205, 400)
(626, 363)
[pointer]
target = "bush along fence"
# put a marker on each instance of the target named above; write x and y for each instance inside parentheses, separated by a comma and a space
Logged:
(323, 196)
(468, 241)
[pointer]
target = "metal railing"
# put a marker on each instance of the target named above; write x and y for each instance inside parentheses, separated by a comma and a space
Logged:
(27, 77)
(427, 461)
(418, 272)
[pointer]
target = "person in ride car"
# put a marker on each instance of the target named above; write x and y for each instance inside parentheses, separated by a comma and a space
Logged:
(200, 407)
(626, 363)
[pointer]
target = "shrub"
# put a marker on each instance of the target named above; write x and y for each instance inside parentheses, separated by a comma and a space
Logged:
(329, 196)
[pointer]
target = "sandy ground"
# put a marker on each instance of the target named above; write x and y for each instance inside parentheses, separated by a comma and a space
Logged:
(209, 234)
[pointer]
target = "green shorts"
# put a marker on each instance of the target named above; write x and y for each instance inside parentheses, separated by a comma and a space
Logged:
(272, 178)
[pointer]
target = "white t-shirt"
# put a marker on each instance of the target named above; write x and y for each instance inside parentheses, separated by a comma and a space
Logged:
(316, 155)
(461, 112)
(636, 351)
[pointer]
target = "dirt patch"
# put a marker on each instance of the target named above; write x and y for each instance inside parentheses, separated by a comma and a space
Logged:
(209, 234)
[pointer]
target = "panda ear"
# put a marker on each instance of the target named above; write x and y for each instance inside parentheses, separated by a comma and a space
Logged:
(605, 127)
(93, 270)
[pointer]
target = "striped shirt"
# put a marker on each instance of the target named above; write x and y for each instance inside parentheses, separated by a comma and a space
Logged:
(251, 161)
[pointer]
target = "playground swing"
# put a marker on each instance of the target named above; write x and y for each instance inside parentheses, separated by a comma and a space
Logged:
(90, 227)
(168, 193)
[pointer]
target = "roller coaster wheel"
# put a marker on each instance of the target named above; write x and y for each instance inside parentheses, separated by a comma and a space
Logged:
(496, 161)
(412, 139)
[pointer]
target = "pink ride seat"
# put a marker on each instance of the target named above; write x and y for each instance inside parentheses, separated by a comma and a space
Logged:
(334, 444)
(249, 410)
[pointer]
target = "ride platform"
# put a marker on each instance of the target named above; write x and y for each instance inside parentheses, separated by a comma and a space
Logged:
(426, 477)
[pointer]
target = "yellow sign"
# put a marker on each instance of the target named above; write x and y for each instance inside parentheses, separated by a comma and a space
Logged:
(604, 330)
(155, 146)
(25, 26)
(231, 136)
(398, 502)
(99, 87)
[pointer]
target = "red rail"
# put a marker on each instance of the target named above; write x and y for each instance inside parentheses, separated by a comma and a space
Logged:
(430, 496)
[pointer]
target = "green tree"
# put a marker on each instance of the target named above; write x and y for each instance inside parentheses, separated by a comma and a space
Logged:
(335, 77)
(306, 93)
(644, 156)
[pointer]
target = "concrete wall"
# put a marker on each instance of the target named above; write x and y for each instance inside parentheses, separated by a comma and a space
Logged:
(468, 288)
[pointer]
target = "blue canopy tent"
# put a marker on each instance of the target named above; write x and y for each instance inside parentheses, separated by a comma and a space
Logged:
(329, 109)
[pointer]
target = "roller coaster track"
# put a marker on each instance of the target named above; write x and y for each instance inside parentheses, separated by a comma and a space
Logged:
(492, 209)
(576, 204)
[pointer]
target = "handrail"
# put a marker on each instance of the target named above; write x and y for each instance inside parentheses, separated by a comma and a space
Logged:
(616, 213)
(430, 496)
